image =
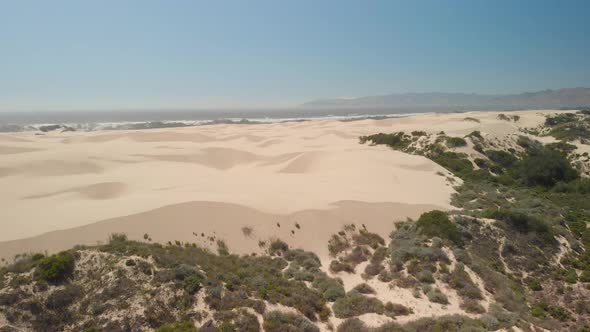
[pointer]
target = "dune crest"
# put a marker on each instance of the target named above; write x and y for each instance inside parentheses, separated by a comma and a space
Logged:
(105, 190)
(199, 221)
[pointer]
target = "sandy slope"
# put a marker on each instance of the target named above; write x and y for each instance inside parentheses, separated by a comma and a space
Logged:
(217, 179)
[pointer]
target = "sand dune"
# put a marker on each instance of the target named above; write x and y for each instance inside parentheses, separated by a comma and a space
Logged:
(216, 179)
(269, 143)
(105, 190)
(302, 163)
(139, 136)
(14, 149)
(215, 157)
(10, 138)
(52, 168)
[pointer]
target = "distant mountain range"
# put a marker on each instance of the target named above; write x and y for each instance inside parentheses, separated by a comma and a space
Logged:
(562, 98)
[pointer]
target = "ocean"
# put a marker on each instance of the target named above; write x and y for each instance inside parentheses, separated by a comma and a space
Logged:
(125, 120)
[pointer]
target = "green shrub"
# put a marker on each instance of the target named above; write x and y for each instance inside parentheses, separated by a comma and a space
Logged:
(191, 284)
(475, 134)
(528, 144)
(183, 271)
(418, 133)
(471, 119)
(585, 276)
(535, 285)
(222, 248)
(447, 323)
(374, 269)
(397, 140)
(278, 247)
(396, 309)
(364, 289)
(437, 223)
(545, 168)
(559, 313)
(561, 147)
(502, 158)
(582, 307)
(478, 147)
(246, 322)
(355, 324)
(358, 255)
(337, 244)
(355, 304)
(385, 276)
(481, 163)
(276, 321)
(352, 324)
(306, 259)
(460, 280)
(337, 266)
(578, 186)
(436, 296)
(299, 273)
(62, 298)
(230, 321)
(454, 162)
(455, 142)
(331, 294)
(331, 289)
(37, 257)
(425, 277)
(570, 132)
(585, 238)
(559, 119)
(406, 282)
(570, 276)
(367, 238)
(538, 312)
(184, 326)
(472, 306)
(56, 268)
(10, 298)
(523, 223)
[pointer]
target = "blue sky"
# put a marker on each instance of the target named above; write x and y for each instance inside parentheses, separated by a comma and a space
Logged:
(138, 54)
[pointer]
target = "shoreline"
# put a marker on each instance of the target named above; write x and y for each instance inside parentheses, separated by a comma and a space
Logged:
(53, 122)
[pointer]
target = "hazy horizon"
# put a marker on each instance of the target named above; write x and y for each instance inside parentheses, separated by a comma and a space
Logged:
(297, 106)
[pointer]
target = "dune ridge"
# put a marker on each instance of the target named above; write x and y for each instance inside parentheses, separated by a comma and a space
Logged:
(197, 221)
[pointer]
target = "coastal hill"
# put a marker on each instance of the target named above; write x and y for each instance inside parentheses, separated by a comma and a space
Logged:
(561, 98)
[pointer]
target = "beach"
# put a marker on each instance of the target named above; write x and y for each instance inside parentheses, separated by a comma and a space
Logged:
(299, 181)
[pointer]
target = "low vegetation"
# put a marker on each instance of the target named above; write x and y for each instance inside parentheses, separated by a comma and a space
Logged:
(437, 223)
(523, 198)
(569, 126)
(455, 142)
(55, 268)
(355, 304)
(276, 321)
(148, 273)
